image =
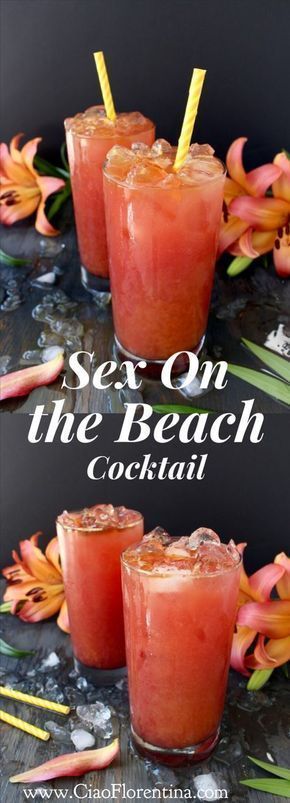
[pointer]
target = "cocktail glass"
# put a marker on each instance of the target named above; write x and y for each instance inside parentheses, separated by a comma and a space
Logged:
(162, 234)
(91, 542)
(180, 602)
(89, 136)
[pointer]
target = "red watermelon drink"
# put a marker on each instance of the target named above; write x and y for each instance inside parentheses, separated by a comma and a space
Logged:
(180, 602)
(89, 136)
(91, 542)
(162, 232)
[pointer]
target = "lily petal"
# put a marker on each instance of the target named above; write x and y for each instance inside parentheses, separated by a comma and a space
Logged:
(281, 187)
(37, 564)
(63, 620)
(52, 554)
(36, 611)
(265, 214)
(230, 232)
(283, 585)
(28, 153)
(47, 185)
(263, 581)
(20, 383)
(246, 244)
(234, 161)
(259, 242)
(15, 172)
(42, 224)
(242, 640)
(19, 210)
(14, 150)
(281, 256)
(274, 653)
(259, 180)
(272, 618)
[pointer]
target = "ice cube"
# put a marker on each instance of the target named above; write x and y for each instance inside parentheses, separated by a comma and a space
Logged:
(162, 777)
(47, 339)
(206, 786)
(161, 147)
(45, 279)
(50, 662)
(51, 246)
(82, 684)
(178, 548)
(82, 739)
(201, 536)
(51, 352)
(157, 537)
(201, 150)
(58, 732)
(33, 357)
(96, 714)
(5, 359)
(140, 149)
(146, 172)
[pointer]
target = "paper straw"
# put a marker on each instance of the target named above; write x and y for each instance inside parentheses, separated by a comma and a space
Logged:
(39, 701)
(195, 90)
(105, 85)
(24, 726)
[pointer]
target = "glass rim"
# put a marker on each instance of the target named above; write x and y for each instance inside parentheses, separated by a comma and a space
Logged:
(167, 187)
(116, 135)
(96, 529)
(179, 573)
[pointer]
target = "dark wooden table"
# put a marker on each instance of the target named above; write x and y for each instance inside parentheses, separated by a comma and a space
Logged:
(254, 723)
(251, 306)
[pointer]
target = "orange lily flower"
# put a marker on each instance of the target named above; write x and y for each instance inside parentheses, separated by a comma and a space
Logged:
(254, 224)
(262, 621)
(35, 584)
(22, 189)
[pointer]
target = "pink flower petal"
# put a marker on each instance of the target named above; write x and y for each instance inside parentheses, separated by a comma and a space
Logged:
(263, 581)
(265, 214)
(234, 161)
(28, 153)
(20, 383)
(281, 187)
(70, 764)
(274, 653)
(37, 564)
(283, 585)
(14, 150)
(272, 618)
(281, 258)
(230, 232)
(259, 180)
(42, 224)
(15, 172)
(241, 642)
(63, 620)
(18, 211)
(246, 244)
(48, 185)
(52, 554)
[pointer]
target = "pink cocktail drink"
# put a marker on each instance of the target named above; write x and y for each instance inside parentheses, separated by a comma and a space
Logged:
(91, 542)
(180, 602)
(162, 233)
(89, 136)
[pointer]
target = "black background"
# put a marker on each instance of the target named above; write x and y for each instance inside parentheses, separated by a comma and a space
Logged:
(151, 46)
(244, 495)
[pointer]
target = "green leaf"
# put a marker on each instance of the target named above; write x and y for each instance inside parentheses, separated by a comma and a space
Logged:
(276, 388)
(13, 652)
(13, 261)
(286, 153)
(5, 607)
(272, 785)
(238, 265)
(59, 200)
(63, 152)
(48, 169)
(178, 408)
(278, 364)
(259, 678)
(274, 769)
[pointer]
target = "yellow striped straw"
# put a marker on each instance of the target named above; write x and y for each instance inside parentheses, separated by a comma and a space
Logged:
(195, 91)
(105, 85)
(30, 700)
(24, 726)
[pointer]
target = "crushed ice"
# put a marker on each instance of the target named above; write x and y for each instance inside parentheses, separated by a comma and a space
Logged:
(82, 739)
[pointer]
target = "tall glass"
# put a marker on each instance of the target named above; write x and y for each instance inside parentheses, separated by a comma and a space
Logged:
(162, 233)
(89, 136)
(180, 601)
(91, 542)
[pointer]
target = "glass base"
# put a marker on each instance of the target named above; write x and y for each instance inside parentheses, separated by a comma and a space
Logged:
(100, 677)
(98, 286)
(174, 757)
(154, 367)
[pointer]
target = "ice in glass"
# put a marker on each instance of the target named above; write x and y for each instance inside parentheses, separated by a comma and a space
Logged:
(162, 233)
(89, 136)
(91, 542)
(180, 601)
